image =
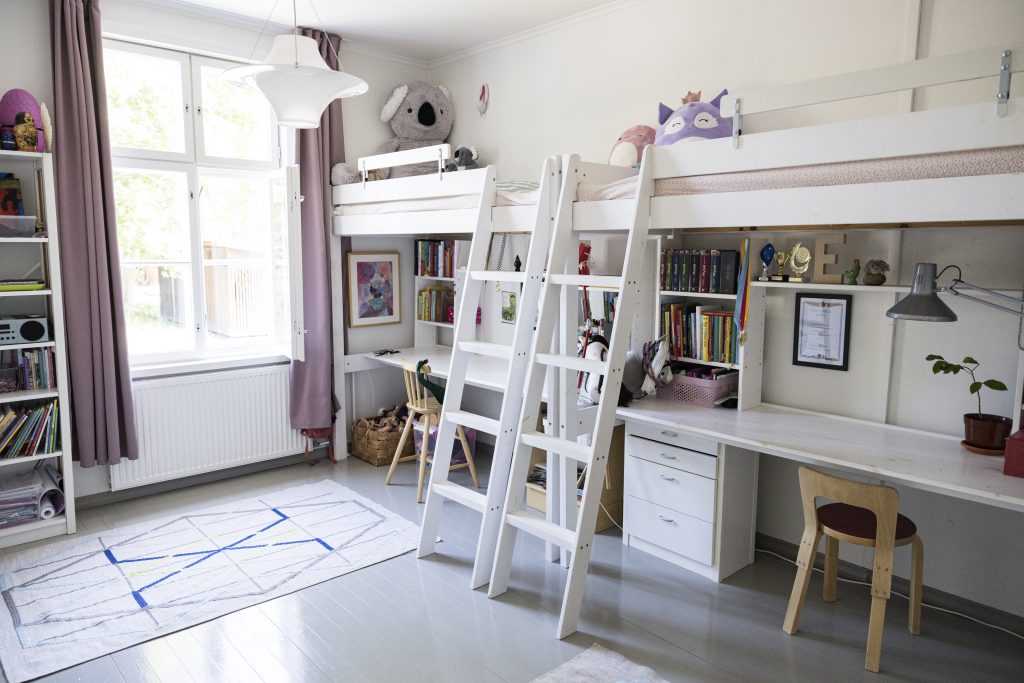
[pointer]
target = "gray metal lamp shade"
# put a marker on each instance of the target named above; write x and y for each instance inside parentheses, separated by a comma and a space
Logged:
(923, 302)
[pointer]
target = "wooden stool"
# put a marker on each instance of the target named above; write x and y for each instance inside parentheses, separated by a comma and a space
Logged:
(421, 403)
(864, 514)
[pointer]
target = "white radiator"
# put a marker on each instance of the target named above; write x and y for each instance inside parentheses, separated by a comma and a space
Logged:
(193, 424)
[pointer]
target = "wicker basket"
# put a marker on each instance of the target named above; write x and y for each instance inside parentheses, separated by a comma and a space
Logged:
(377, 447)
(702, 392)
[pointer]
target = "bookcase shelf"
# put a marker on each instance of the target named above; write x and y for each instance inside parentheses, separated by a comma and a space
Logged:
(33, 167)
(710, 363)
(449, 326)
(879, 289)
(697, 295)
(435, 332)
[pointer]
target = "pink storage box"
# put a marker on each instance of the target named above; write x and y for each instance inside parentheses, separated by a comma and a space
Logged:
(702, 392)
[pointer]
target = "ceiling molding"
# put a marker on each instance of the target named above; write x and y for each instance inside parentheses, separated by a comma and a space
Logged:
(378, 53)
(586, 15)
(209, 14)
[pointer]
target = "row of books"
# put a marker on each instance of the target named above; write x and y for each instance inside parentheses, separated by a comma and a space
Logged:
(435, 258)
(700, 332)
(611, 300)
(706, 271)
(29, 431)
(436, 304)
(34, 368)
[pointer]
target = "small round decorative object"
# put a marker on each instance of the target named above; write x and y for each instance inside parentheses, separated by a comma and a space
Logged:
(18, 101)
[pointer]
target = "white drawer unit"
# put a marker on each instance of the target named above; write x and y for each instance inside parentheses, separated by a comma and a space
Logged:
(670, 488)
(670, 529)
(688, 499)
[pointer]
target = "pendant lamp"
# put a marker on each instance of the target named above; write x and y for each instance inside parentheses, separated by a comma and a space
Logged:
(296, 80)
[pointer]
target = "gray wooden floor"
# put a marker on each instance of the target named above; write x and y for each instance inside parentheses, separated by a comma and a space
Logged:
(416, 620)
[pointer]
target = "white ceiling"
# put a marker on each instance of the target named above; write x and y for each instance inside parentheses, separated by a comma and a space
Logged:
(418, 29)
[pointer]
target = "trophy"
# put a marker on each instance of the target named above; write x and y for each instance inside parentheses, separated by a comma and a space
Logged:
(799, 262)
(767, 254)
(781, 259)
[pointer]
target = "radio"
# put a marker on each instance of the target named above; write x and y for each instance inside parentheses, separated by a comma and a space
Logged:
(24, 329)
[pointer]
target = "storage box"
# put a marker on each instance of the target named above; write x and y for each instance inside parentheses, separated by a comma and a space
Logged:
(702, 392)
(1013, 463)
(458, 456)
(374, 446)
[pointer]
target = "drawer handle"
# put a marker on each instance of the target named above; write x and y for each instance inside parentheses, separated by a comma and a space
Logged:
(665, 519)
(667, 456)
(666, 477)
(671, 435)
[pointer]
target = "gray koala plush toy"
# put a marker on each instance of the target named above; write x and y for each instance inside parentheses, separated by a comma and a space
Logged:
(420, 115)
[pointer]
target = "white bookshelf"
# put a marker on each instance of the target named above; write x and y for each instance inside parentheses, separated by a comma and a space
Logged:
(43, 253)
(428, 333)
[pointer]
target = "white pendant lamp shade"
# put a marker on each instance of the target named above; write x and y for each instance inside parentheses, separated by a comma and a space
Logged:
(297, 81)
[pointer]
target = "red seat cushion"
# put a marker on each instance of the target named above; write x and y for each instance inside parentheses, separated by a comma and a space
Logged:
(860, 522)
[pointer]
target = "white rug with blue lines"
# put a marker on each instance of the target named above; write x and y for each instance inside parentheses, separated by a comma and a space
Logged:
(84, 597)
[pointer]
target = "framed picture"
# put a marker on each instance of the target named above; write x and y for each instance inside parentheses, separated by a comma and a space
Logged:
(374, 295)
(508, 306)
(821, 337)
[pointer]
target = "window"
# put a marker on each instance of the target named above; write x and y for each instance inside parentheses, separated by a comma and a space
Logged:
(204, 210)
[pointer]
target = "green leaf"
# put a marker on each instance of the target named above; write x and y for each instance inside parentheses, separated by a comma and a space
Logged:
(995, 385)
(970, 361)
(938, 367)
(975, 387)
(955, 369)
(933, 356)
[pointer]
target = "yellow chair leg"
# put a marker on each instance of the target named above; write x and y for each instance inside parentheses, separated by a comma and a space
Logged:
(401, 447)
(469, 456)
(805, 565)
(875, 628)
(828, 590)
(916, 584)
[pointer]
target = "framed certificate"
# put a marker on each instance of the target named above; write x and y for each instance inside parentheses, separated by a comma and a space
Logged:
(821, 336)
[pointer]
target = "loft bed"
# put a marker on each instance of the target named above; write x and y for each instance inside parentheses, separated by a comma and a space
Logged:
(441, 203)
(958, 165)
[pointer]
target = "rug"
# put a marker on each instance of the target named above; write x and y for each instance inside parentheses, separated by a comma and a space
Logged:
(598, 665)
(85, 597)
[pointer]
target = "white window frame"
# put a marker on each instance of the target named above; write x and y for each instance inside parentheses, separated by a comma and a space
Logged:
(192, 162)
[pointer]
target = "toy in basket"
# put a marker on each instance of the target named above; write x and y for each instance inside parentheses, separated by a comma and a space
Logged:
(703, 386)
(375, 439)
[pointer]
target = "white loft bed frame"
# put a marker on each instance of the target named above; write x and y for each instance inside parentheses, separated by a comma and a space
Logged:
(477, 182)
(987, 200)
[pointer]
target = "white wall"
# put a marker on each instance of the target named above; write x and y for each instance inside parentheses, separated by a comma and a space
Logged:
(575, 89)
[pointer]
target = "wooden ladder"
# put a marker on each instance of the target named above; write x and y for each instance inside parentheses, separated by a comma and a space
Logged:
(555, 318)
(491, 503)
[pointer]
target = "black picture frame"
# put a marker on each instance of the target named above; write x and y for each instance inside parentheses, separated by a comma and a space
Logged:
(807, 327)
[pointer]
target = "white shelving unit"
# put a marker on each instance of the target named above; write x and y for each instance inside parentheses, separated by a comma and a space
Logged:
(428, 333)
(42, 255)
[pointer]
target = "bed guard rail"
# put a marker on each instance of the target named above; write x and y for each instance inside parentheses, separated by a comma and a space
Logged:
(440, 153)
(920, 73)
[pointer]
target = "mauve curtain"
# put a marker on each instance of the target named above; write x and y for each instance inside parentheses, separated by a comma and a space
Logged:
(313, 401)
(101, 393)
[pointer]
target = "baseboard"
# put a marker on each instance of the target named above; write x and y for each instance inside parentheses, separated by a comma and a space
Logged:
(931, 596)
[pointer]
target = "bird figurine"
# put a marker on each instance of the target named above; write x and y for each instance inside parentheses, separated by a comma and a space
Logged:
(874, 272)
(850, 276)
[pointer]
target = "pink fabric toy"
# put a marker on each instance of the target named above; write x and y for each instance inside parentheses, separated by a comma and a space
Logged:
(629, 148)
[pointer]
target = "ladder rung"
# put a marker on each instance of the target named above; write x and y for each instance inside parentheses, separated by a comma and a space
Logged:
(608, 281)
(474, 500)
(541, 528)
(473, 421)
(486, 349)
(570, 449)
(497, 275)
(597, 367)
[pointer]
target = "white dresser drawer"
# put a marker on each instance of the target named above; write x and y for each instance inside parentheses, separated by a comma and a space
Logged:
(671, 456)
(690, 494)
(671, 530)
(672, 436)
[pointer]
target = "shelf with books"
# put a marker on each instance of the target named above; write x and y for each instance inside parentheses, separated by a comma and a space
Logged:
(710, 363)
(438, 273)
(24, 240)
(697, 295)
(28, 395)
(822, 287)
(31, 345)
(698, 271)
(448, 326)
(26, 292)
(30, 458)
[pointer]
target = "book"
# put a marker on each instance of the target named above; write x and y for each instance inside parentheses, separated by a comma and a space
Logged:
(715, 277)
(11, 203)
(728, 275)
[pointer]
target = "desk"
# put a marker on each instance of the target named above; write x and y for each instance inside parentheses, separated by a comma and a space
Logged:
(931, 462)
(482, 371)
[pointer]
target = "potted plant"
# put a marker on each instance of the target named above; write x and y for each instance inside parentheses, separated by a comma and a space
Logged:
(981, 430)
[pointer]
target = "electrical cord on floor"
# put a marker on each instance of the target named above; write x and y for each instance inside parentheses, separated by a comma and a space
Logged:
(612, 519)
(905, 597)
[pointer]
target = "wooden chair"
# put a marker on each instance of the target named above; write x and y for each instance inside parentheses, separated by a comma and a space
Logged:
(422, 404)
(864, 514)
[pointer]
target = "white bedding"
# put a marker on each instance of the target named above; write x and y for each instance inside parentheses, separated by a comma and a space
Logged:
(508, 193)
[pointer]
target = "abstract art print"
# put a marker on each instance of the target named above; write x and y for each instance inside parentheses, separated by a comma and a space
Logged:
(374, 297)
(70, 601)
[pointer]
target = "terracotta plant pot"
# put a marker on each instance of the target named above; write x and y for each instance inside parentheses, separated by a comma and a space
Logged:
(986, 431)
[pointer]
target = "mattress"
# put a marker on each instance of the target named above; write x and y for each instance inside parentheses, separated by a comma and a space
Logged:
(507, 193)
(975, 162)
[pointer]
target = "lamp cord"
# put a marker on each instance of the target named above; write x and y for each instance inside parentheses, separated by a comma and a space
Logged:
(323, 28)
(263, 30)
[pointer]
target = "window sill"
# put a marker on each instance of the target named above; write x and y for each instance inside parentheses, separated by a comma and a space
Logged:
(193, 367)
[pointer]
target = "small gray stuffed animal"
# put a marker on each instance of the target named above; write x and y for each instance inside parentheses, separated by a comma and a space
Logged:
(421, 115)
(465, 160)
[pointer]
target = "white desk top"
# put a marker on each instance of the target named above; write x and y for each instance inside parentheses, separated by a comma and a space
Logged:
(489, 373)
(930, 462)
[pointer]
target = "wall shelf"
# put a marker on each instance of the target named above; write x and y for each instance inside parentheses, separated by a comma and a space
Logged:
(30, 458)
(28, 395)
(447, 326)
(711, 363)
(697, 295)
(27, 292)
(33, 345)
(887, 289)
(24, 240)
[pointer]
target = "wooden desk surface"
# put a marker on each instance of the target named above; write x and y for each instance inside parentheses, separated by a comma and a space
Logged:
(931, 462)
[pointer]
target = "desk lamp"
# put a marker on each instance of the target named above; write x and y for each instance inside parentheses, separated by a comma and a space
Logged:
(923, 302)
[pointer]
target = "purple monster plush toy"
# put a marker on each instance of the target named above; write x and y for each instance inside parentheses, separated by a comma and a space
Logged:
(694, 120)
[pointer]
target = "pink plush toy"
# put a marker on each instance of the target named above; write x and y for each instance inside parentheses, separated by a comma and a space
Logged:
(630, 146)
